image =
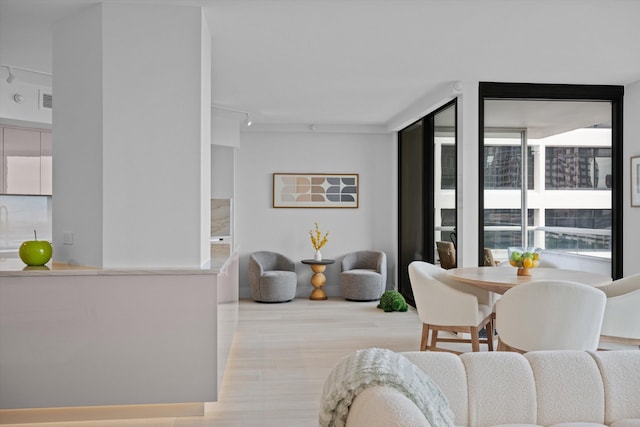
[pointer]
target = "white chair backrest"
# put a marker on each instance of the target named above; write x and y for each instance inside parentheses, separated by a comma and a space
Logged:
(484, 297)
(432, 270)
(622, 314)
(551, 315)
(436, 301)
(622, 286)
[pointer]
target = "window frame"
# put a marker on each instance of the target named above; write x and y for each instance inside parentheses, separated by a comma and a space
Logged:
(566, 92)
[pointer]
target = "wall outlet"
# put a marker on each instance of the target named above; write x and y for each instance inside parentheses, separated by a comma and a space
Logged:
(67, 237)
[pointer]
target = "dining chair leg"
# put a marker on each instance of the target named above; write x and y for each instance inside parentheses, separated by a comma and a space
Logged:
(475, 339)
(489, 328)
(501, 346)
(434, 339)
(425, 336)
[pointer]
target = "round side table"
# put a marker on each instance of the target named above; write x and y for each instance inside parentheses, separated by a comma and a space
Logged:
(318, 279)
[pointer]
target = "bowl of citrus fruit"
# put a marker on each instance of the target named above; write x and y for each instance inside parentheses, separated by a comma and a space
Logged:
(524, 259)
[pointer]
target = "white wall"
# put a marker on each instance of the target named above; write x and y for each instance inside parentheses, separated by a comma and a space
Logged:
(204, 138)
(77, 103)
(29, 110)
(224, 130)
(222, 172)
(225, 140)
(631, 224)
(132, 149)
(373, 225)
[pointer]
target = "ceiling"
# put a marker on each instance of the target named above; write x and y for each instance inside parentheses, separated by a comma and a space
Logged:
(365, 62)
(546, 118)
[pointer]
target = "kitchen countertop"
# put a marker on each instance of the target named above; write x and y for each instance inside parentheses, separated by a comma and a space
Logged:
(13, 267)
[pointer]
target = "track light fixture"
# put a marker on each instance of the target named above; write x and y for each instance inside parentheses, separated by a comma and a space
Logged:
(12, 68)
(247, 120)
(12, 77)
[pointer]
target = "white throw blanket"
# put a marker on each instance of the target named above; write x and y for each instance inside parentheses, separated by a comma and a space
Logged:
(376, 366)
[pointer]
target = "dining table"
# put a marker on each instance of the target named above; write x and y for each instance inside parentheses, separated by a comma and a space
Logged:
(501, 279)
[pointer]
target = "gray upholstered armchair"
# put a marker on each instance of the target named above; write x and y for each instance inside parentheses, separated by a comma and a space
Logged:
(272, 277)
(364, 275)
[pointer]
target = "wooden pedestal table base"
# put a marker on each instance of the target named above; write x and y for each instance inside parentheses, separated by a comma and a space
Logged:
(318, 279)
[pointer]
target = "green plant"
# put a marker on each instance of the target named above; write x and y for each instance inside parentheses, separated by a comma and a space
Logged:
(392, 301)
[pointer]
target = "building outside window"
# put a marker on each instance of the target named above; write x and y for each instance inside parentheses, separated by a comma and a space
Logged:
(568, 191)
(503, 167)
(592, 236)
(577, 167)
(502, 227)
(448, 165)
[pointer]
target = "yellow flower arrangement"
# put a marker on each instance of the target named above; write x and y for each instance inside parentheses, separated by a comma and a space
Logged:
(317, 239)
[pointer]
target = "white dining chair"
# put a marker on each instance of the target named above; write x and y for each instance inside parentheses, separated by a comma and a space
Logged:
(621, 322)
(550, 315)
(443, 304)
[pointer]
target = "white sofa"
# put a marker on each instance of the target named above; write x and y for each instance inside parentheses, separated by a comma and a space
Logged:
(544, 388)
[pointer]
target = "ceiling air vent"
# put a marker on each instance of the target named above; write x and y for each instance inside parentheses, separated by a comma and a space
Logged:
(46, 100)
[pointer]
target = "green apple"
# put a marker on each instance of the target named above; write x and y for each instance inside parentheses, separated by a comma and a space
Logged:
(35, 252)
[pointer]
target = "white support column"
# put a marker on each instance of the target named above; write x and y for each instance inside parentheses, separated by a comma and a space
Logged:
(132, 136)
(468, 158)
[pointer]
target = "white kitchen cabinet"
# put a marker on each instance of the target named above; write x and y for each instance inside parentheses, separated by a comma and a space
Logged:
(46, 162)
(26, 161)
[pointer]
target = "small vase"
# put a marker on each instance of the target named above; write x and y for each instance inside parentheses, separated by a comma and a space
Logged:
(317, 256)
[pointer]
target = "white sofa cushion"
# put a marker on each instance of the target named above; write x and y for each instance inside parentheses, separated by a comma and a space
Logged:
(561, 378)
(501, 389)
(554, 425)
(446, 370)
(627, 423)
(621, 375)
(578, 425)
(545, 388)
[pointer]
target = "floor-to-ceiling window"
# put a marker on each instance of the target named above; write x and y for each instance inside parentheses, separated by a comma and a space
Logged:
(427, 173)
(550, 172)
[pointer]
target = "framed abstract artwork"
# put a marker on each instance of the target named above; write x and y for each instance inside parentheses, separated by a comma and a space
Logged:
(315, 190)
(635, 181)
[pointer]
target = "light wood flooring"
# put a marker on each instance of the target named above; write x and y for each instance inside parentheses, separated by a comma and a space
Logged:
(282, 354)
